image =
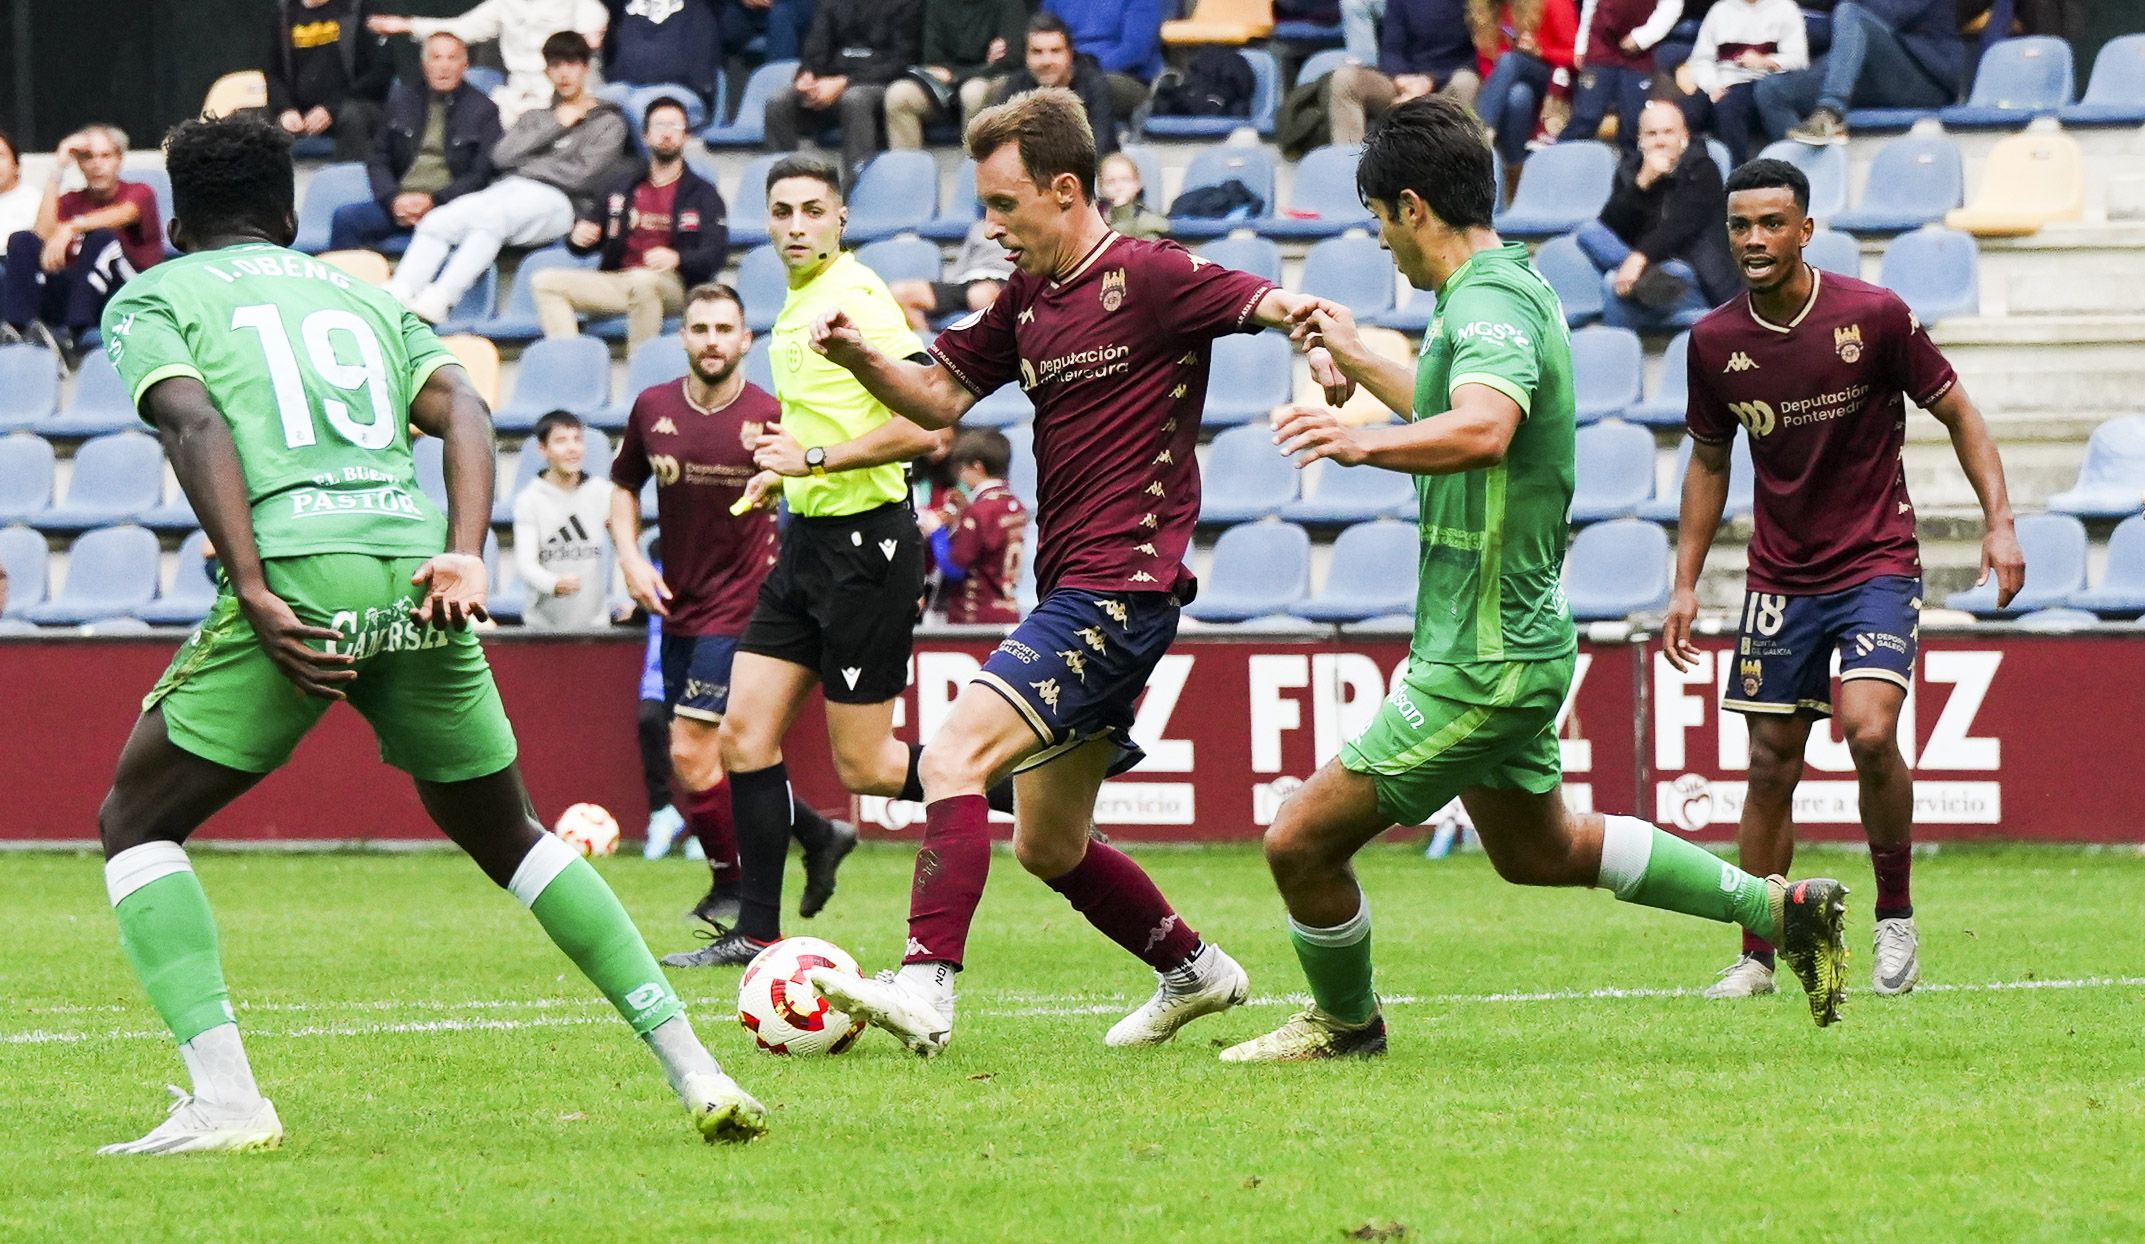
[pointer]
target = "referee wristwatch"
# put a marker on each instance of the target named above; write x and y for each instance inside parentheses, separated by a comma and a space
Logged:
(815, 460)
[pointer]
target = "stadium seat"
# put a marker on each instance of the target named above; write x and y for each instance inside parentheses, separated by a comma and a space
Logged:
(959, 210)
(23, 556)
(2111, 480)
(1319, 64)
(1258, 568)
(26, 473)
(99, 403)
(1354, 495)
(368, 266)
(1020, 477)
(763, 283)
(509, 598)
(1250, 165)
(1666, 406)
(895, 193)
(1667, 504)
(748, 205)
(1936, 270)
(1572, 275)
(1231, 22)
(480, 362)
(1616, 569)
(1826, 167)
(111, 572)
(1246, 478)
(1322, 200)
(529, 463)
(1373, 572)
(901, 259)
(1001, 408)
(1834, 251)
(1912, 182)
(1412, 311)
(428, 460)
(330, 187)
(1562, 187)
(1265, 102)
(2019, 79)
(2121, 589)
(2116, 95)
(1615, 471)
(758, 367)
(2030, 180)
(2055, 546)
(1149, 163)
(516, 320)
(1245, 253)
(653, 362)
(1352, 271)
(29, 386)
(235, 92)
(1723, 159)
(1249, 377)
(475, 309)
(116, 477)
(1607, 366)
(638, 96)
(557, 373)
(159, 183)
(2056, 620)
(191, 592)
(176, 514)
(749, 126)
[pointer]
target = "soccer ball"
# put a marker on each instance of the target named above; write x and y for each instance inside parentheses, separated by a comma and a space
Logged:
(782, 1011)
(587, 828)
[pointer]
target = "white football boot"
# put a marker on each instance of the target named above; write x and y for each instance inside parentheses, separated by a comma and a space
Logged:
(919, 1020)
(663, 830)
(1208, 982)
(1745, 978)
(194, 1126)
(1898, 957)
(722, 1112)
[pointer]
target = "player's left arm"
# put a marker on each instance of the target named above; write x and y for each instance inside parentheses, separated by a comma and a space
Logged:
(455, 582)
(1970, 439)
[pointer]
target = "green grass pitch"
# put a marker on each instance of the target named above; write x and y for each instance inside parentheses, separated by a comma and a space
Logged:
(444, 1075)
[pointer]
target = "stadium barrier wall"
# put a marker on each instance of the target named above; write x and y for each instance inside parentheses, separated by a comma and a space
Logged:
(2003, 743)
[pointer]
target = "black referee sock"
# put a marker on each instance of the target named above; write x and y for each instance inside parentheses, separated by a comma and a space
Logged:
(1000, 797)
(761, 800)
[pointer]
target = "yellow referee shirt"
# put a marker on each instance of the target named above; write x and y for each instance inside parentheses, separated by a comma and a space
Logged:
(822, 404)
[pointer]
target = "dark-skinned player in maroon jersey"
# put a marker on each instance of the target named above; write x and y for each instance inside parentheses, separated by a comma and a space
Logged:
(1817, 369)
(980, 539)
(694, 437)
(1110, 337)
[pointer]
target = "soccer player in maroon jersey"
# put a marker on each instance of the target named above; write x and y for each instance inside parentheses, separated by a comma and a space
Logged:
(694, 436)
(1817, 369)
(980, 539)
(1111, 338)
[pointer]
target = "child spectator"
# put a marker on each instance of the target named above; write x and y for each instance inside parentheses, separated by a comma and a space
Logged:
(978, 546)
(1124, 200)
(559, 532)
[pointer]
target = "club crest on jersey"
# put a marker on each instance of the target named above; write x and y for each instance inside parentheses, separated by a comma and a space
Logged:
(1848, 341)
(1113, 289)
(1753, 674)
(748, 431)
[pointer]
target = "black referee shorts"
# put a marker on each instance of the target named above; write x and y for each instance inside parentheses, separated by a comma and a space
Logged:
(843, 600)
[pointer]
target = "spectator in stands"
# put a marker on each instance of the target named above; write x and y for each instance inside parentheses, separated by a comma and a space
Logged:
(1530, 44)
(781, 24)
(1049, 60)
(967, 46)
(977, 541)
(976, 276)
(1614, 58)
(854, 51)
(83, 245)
(1424, 48)
(18, 198)
(522, 29)
(1884, 54)
(434, 146)
(560, 532)
(660, 42)
(661, 230)
(1124, 200)
(1124, 37)
(1359, 28)
(550, 160)
(327, 74)
(1739, 43)
(1659, 241)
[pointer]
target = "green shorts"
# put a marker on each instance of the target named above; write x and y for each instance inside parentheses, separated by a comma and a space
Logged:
(428, 694)
(1450, 727)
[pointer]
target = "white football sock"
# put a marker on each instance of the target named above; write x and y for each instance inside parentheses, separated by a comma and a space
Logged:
(934, 980)
(216, 1060)
(680, 1051)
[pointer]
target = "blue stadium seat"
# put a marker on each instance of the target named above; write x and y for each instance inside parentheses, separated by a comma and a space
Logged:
(25, 477)
(1246, 478)
(2116, 95)
(1354, 495)
(749, 127)
(1723, 159)
(2020, 79)
(2055, 569)
(477, 304)
(159, 183)
(2111, 480)
(515, 321)
(2056, 620)
(177, 514)
(428, 460)
(1912, 182)
(895, 193)
(1616, 569)
(1304, 32)
(1320, 64)
(98, 405)
(1352, 271)
(1149, 162)
(637, 97)
(1572, 275)
(1607, 367)
(1324, 192)
(509, 596)
(1615, 471)
(1667, 504)
(529, 463)
(29, 386)
(1833, 251)
(959, 210)
(557, 373)
(1936, 270)
(1412, 312)
(1373, 572)
(1265, 102)
(653, 362)
(191, 592)
(1020, 477)
(116, 477)
(1666, 406)
(1250, 165)
(1250, 376)
(1562, 187)
(1826, 167)
(901, 259)
(648, 509)
(1001, 408)
(23, 556)
(111, 572)
(748, 204)
(1258, 568)
(758, 367)
(1245, 253)
(763, 283)
(2121, 589)
(330, 187)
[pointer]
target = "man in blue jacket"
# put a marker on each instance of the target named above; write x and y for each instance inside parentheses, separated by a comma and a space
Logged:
(1885, 54)
(434, 145)
(1123, 36)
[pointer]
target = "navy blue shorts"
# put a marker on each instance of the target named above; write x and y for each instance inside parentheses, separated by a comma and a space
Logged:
(696, 675)
(1075, 666)
(1783, 655)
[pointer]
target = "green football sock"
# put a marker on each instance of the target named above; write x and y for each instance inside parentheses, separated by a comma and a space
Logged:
(169, 936)
(1336, 962)
(1647, 865)
(585, 920)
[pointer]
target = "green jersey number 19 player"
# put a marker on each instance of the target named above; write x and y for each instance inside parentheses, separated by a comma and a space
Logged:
(283, 392)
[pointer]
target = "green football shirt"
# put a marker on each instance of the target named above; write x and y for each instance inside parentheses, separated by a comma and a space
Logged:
(313, 370)
(822, 403)
(1492, 586)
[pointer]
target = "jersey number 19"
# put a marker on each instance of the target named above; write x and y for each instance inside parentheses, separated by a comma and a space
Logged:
(320, 330)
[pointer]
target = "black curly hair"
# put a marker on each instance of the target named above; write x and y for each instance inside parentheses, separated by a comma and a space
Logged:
(231, 175)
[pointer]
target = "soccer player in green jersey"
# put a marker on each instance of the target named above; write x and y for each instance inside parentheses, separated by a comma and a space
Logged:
(1489, 440)
(283, 392)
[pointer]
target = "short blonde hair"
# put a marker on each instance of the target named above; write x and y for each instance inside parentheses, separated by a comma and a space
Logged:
(1049, 125)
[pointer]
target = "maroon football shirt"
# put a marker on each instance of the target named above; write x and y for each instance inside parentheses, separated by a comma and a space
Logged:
(1823, 400)
(986, 543)
(1115, 358)
(713, 560)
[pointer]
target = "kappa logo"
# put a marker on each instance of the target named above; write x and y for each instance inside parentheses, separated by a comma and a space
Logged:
(1148, 549)
(1115, 608)
(1026, 316)
(1156, 490)
(1198, 261)
(1179, 390)
(1161, 931)
(1165, 458)
(1113, 289)
(1141, 576)
(1756, 417)
(850, 675)
(667, 428)
(1092, 637)
(1047, 689)
(887, 547)
(1148, 521)
(1076, 661)
(1740, 361)
(1848, 341)
(1905, 506)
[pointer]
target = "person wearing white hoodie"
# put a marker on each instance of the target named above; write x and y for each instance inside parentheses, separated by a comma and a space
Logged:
(560, 533)
(1740, 42)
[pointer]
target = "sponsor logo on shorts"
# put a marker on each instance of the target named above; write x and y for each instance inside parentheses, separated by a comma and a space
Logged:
(375, 631)
(850, 674)
(701, 689)
(1405, 707)
(1020, 652)
(1869, 641)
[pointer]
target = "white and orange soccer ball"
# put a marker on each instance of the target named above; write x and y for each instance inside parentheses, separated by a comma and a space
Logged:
(587, 828)
(782, 1010)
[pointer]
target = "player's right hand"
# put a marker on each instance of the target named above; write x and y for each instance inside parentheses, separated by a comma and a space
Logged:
(1676, 629)
(454, 589)
(644, 583)
(321, 673)
(836, 336)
